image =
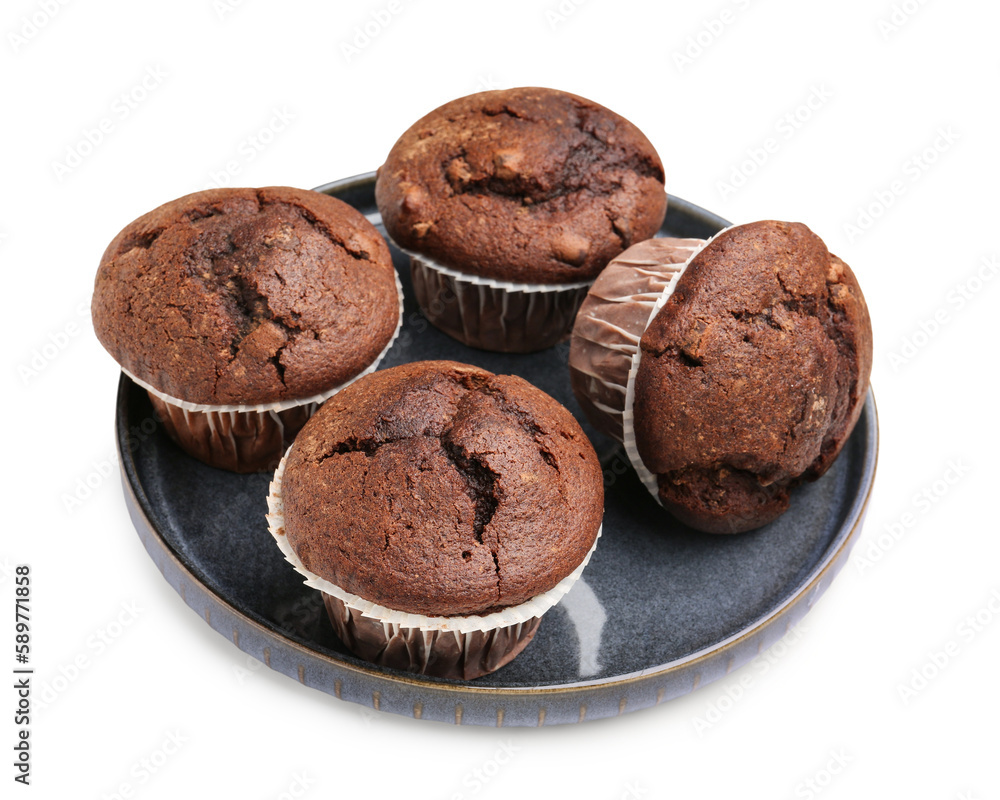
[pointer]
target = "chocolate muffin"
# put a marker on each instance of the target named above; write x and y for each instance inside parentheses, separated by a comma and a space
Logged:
(750, 376)
(236, 300)
(516, 190)
(443, 493)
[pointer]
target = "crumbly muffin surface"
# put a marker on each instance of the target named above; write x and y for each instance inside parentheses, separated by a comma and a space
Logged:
(441, 489)
(752, 375)
(246, 295)
(527, 185)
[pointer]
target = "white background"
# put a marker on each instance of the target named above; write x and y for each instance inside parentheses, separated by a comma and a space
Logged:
(905, 103)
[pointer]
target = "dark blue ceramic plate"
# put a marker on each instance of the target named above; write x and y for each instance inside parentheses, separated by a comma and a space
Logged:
(660, 610)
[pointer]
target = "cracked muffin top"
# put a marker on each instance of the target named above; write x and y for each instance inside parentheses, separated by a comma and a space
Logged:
(752, 375)
(529, 185)
(246, 295)
(442, 489)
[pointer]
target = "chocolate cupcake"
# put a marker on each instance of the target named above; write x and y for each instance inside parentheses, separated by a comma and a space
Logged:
(441, 510)
(510, 203)
(240, 310)
(732, 370)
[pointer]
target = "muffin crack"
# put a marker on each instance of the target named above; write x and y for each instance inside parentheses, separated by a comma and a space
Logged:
(480, 484)
(837, 329)
(530, 190)
(250, 307)
(765, 317)
(504, 110)
(784, 287)
(808, 404)
(636, 162)
(574, 173)
(836, 322)
(620, 229)
(686, 357)
(524, 421)
(357, 253)
(369, 446)
(829, 312)
(254, 310)
(202, 212)
(482, 386)
(225, 277)
(141, 239)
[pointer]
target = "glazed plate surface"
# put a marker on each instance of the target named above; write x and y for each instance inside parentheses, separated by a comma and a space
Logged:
(660, 610)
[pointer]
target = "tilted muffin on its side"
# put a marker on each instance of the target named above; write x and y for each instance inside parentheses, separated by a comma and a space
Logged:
(752, 367)
(511, 202)
(241, 309)
(456, 504)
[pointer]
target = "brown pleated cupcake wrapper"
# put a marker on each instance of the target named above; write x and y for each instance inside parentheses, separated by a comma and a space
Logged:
(434, 645)
(495, 315)
(240, 441)
(246, 437)
(444, 654)
(605, 353)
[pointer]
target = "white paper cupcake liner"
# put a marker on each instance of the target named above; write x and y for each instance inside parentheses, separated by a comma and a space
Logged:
(505, 618)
